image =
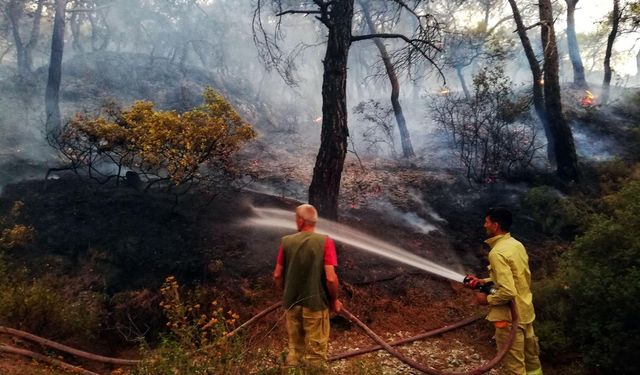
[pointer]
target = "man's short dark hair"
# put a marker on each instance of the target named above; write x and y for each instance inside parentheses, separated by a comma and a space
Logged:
(501, 216)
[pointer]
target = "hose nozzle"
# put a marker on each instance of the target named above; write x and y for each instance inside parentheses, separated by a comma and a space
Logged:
(472, 282)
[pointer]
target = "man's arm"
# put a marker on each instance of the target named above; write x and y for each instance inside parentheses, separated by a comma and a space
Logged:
(506, 286)
(333, 287)
(277, 277)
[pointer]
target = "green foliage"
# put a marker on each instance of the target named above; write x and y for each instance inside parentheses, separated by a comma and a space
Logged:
(612, 175)
(592, 304)
(556, 215)
(553, 309)
(40, 308)
(199, 339)
(177, 149)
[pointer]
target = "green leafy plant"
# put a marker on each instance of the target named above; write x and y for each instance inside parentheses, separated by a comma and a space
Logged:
(555, 214)
(603, 286)
(199, 340)
(41, 306)
(591, 305)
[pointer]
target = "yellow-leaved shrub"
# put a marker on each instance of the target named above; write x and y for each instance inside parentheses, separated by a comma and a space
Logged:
(177, 149)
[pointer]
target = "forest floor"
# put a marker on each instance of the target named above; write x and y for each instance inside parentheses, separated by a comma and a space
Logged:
(123, 243)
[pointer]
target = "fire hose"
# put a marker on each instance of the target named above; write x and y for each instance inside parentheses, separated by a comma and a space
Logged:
(381, 345)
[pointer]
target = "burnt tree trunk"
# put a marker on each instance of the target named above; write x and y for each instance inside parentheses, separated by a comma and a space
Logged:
(463, 83)
(24, 50)
(615, 20)
(325, 184)
(638, 64)
(538, 81)
(52, 92)
(405, 138)
(104, 36)
(74, 25)
(567, 161)
(579, 79)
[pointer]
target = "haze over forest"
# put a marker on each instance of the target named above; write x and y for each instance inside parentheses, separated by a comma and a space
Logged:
(152, 153)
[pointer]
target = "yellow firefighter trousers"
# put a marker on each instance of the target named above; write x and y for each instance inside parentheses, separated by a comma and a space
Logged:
(308, 332)
(522, 358)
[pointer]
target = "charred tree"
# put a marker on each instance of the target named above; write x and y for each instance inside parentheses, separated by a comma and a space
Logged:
(75, 25)
(615, 22)
(325, 184)
(405, 138)
(638, 64)
(566, 158)
(463, 82)
(52, 92)
(579, 79)
(337, 17)
(24, 51)
(464, 46)
(538, 81)
(100, 32)
(90, 12)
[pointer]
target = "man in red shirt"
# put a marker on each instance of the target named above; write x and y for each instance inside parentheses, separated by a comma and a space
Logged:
(305, 272)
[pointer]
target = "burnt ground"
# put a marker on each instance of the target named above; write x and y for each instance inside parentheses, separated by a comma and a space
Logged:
(116, 241)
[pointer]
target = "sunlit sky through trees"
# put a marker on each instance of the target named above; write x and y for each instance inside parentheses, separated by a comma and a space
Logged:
(589, 15)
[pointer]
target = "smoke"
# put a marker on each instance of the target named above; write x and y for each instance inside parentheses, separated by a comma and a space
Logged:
(416, 197)
(592, 146)
(168, 51)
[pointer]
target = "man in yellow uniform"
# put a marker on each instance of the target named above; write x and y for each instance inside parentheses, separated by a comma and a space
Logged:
(509, 271)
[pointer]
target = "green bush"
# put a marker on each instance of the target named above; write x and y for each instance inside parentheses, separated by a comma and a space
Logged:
(593, 303)
(556, 215)
(41, 309)
(552, 309)
(613, 174)
(605, 288)
(40, 306)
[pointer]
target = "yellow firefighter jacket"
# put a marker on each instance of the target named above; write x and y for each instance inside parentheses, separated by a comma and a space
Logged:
(509, 270)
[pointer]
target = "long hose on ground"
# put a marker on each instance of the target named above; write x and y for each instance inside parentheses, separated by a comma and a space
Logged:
(418, 366)
(382, 345)
(67, 349)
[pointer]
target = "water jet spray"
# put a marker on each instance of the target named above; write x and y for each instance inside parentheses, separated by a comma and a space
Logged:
(277, 218)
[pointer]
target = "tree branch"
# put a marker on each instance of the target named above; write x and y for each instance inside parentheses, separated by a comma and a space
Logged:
(532, 26)
(89, 10)
(403, 5)
(418, 45)
(298, 12)
(412, 42)
(500, 21)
